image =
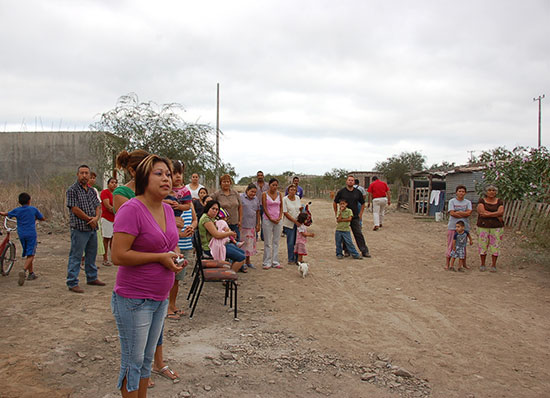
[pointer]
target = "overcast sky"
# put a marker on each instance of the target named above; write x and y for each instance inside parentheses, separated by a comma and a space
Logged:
(305, 86)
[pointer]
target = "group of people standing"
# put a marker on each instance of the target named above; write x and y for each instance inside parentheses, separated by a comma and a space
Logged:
(148, 224)
(490, 223)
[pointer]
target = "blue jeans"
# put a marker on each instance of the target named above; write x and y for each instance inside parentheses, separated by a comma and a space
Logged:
(82, 242)
(345, 236)
(140, 323)
(261, 223)
(232, 252)
(290, 242)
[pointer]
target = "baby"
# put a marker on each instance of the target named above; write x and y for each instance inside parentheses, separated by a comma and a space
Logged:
(217, 246)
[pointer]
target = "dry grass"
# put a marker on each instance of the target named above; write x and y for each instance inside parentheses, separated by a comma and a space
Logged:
(50, 200)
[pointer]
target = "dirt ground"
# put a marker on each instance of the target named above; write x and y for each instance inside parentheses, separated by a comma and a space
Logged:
(394, 325)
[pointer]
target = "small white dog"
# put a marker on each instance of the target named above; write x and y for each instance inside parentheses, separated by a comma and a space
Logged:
(303, 268)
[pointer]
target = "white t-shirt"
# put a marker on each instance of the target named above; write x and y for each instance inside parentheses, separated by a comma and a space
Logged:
(459, 205)
(293, 208)
(194, 193)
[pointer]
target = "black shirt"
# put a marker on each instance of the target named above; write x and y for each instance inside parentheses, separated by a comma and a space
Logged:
(354, 198)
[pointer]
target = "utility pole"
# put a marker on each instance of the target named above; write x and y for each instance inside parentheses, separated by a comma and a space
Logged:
(471, 156)
(539, 99)
(218, 137)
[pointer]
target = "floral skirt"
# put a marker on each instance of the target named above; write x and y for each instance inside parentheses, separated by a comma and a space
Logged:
(248, 236)
(489, 241)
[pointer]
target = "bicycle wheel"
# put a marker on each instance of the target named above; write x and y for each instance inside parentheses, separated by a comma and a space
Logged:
(7, 259)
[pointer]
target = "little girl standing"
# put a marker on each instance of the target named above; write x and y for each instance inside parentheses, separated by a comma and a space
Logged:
(301, 237)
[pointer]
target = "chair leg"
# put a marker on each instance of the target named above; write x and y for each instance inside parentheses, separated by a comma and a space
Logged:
(226, 292)
(235, 299)
(193, 287)
(196, 299)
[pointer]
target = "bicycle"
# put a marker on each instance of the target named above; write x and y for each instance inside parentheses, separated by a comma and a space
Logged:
(7, 248)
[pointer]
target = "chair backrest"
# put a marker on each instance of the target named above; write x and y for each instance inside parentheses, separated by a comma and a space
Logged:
(197, 243)
(198, 251)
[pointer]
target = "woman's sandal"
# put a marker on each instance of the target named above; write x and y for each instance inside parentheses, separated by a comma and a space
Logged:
(170, 376)
(173, 316)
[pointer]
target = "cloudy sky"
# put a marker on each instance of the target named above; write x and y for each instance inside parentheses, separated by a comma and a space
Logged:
(305, 85)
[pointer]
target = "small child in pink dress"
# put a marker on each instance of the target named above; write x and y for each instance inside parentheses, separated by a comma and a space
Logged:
(301, 237)
(217, 246)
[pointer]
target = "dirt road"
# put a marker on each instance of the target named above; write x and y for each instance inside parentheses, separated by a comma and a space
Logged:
(394, 325)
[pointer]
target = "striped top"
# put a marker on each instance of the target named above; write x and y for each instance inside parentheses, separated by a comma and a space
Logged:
(186, 243)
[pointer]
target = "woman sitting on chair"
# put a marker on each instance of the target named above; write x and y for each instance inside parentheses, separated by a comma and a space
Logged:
(208, 230)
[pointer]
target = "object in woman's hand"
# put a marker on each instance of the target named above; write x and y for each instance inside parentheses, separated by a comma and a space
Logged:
(181, 262)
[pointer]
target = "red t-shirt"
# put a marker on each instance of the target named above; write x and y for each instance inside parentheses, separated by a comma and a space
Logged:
(378, 189)
(105, 213)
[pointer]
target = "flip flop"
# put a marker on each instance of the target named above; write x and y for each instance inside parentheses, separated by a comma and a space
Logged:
(173, 316)
(170, 376)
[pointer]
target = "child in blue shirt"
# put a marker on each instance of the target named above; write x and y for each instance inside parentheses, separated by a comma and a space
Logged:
(26, 216)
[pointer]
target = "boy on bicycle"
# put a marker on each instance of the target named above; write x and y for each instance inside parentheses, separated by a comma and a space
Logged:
(26, 216)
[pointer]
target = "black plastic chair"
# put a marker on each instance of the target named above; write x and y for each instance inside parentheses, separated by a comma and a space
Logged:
(208, 270)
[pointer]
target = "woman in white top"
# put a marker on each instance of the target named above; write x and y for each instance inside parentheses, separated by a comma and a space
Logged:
(291, 209)
(194, 186)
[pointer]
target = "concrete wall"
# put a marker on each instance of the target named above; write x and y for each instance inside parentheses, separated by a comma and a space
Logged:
(32, 157)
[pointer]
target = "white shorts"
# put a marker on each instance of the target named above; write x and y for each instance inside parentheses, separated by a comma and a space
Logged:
(106, 228)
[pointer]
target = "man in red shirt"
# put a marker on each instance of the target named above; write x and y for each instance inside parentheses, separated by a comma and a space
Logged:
(379, 194)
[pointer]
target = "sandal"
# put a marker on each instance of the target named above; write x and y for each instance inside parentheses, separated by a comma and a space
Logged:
(173, 316)
(167, 373)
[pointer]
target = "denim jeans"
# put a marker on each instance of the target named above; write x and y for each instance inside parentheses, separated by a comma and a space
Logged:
(345, 236)
(140, 323)
(290, 242)
(82, 242)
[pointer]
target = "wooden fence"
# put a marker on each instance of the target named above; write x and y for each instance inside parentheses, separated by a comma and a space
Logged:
(524, 215)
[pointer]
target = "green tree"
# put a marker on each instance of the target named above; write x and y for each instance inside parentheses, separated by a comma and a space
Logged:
(443, 166)
(245, 180)
(157, 129)
(397, 167)
(335, 178)
(522, 173)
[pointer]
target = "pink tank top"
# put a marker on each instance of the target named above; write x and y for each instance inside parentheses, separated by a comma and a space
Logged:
(273, 206)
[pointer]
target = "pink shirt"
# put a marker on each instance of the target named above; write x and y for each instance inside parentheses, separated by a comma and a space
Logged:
(273, 206)
(151, 280)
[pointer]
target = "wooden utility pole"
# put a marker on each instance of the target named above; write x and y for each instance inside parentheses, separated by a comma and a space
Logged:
(218, 137)
(539, 99)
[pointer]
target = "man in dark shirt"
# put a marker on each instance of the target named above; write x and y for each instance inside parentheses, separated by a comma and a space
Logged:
(84, 213)
(356, 202)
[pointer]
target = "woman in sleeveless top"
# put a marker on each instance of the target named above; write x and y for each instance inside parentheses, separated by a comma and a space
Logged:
(272, 203)
(490, 210)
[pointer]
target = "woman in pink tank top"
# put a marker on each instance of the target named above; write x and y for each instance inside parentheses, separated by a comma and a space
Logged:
(272, 203)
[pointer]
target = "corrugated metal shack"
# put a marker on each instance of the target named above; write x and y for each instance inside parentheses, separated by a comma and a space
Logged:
(468, 176)
(431, 190)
